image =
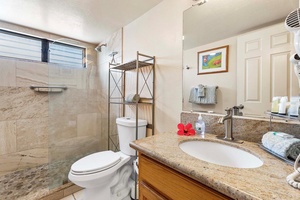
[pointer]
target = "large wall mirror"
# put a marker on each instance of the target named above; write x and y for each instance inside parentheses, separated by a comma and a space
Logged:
(259, 47)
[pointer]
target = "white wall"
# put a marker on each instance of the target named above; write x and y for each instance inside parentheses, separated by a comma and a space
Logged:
(159, 32)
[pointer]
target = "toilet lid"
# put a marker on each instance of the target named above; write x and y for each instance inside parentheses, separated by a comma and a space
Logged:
(96, 162)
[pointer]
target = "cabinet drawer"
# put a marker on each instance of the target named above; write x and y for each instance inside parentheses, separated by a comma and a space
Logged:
(172, 184)
(148, 193)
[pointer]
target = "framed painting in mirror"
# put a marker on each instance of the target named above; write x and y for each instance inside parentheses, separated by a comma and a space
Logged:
(213, 60)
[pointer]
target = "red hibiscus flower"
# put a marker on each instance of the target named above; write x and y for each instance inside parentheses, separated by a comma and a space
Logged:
(185, 129)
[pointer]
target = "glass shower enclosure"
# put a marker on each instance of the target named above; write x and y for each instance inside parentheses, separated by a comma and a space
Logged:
(75, 116)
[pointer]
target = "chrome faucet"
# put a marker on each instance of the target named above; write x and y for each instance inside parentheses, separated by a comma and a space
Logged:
(228, 124)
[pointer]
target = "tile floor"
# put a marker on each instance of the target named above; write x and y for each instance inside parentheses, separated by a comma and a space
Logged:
(75, 196)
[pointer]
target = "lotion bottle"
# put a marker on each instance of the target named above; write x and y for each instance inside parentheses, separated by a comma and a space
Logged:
(275, 104)
(282, 105)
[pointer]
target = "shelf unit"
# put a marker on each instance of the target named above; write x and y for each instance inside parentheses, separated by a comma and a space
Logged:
(284, 117)
(117, 88)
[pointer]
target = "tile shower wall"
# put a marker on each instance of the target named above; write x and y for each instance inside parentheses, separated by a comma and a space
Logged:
(247, 129)
(23, 118)
(39, 132)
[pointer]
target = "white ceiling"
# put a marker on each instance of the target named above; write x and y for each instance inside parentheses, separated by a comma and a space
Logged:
(87, 20)
(219, 19)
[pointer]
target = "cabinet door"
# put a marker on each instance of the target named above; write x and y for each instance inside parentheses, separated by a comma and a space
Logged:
(172, 184)
(148, 193)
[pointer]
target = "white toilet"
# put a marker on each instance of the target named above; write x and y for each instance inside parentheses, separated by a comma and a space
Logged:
(106, 175)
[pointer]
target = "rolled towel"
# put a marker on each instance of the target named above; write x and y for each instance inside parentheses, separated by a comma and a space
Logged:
(132, 98)
(283, 144)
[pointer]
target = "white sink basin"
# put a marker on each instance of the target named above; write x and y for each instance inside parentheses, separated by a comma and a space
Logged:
(220, 154)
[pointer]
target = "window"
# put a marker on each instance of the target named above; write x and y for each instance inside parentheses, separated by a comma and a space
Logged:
(19, 46)
(22, 46)
(66, 55)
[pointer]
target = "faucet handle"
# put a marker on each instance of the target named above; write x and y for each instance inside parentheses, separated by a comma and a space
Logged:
(228, 110)
(220, 121)
(236, 110)
(241, 106)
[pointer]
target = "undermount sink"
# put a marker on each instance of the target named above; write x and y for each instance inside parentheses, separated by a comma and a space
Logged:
(220, 154)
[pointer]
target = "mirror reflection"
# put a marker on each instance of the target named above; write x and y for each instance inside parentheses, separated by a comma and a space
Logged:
(259, 49)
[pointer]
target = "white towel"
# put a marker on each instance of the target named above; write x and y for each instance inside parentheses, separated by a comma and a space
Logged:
(286, 147)
(132, 98)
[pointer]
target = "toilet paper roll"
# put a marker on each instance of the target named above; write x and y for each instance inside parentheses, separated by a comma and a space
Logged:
(132, 98)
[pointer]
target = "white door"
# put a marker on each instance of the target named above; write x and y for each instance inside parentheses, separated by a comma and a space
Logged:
(264, 69)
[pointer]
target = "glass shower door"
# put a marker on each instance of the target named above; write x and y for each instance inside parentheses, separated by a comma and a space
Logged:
(75, 118)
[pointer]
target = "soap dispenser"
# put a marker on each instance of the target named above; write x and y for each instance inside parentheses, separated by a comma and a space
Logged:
(200, 126)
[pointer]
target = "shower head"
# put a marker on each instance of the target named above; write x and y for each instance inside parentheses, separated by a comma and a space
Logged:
(112, 54)
(200, 3)
(98, 48)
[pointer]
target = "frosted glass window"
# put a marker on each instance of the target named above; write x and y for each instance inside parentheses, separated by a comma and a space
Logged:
(19, 46)
(67, 55)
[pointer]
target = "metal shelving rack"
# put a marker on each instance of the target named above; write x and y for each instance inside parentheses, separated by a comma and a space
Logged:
(284, 117)
(119, 85)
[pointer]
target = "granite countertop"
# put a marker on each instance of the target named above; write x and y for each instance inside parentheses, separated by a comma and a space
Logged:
(266, 182)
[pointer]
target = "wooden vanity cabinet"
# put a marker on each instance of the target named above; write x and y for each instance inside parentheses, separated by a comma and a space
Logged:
(159, 182)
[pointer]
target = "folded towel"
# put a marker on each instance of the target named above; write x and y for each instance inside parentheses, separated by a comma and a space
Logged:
(210, 95)
(132, 98)
(282, 144)
(201, 90)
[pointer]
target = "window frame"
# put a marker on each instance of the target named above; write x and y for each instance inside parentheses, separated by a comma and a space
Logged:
(45, 45)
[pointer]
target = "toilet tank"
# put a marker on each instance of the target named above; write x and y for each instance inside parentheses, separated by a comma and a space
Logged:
(127, 132)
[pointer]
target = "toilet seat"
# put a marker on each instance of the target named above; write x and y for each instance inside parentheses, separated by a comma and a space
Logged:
(95, 162)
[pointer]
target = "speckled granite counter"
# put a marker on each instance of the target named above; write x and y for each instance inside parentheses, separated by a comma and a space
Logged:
(266, 182)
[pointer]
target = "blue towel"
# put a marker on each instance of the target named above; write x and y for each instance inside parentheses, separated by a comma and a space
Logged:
(210, 95)
(209, 92)
(201, 91)
(287, 147)
(193, 95)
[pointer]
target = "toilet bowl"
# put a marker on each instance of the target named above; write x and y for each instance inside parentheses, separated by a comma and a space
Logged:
(106, 175)
(96, 176)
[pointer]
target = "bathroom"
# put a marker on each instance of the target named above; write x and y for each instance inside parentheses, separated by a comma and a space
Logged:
(47, 129)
